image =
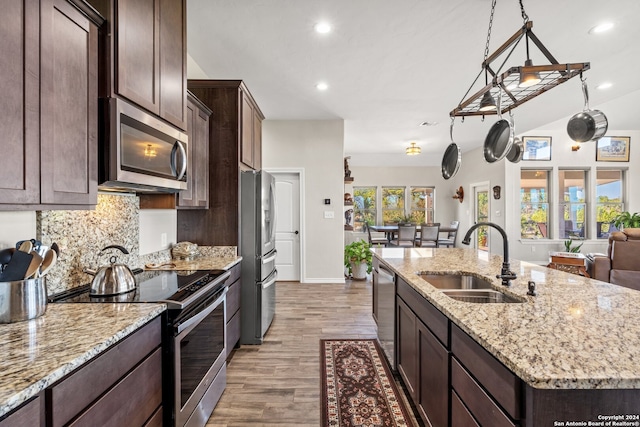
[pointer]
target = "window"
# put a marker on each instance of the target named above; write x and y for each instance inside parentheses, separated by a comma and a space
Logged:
(609, 202)
(393, 205)
(421, 204)
(534, 204)
(572, 203)
(364, 207)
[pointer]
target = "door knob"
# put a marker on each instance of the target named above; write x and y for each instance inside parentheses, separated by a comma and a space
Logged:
(296, 232)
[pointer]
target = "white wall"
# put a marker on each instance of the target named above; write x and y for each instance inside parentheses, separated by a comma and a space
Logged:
(429, 176)
(158, 229)
(16, 226)
(317, 147)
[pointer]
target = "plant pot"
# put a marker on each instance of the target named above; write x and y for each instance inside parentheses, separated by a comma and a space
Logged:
(359, 270)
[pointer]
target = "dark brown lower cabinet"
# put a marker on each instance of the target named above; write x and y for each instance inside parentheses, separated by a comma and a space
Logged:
(233, 309)
(433, 368)
(27, 415)
(407, 346)
(121, 386)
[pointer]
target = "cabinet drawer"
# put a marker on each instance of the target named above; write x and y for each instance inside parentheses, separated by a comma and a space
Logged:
(499, 381)
(460, 415)
(233, 299)
(430, 316)
(483, 408)
(233, 332)
(156, 419)
(27, 415)
(132, 401)
(74, 393)
(235, 273)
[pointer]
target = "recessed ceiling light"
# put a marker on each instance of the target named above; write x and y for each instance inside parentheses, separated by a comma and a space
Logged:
(601, 28)
(322, 27)
(427, 123)
(605, 85)
(322, 86)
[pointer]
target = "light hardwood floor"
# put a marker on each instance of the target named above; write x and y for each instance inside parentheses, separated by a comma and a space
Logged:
(278, 383)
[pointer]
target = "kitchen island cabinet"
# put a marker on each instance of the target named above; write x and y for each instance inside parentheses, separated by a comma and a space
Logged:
(567, 354)
(49, 105)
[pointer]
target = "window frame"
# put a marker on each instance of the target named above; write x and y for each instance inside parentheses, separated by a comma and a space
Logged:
(600, 235)
(357, 211)
(542, 205)
(576, 232)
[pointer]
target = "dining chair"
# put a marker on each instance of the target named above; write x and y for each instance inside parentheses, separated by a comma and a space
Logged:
(375, 241)
(406, 236)
(429, 234)
(450, 241)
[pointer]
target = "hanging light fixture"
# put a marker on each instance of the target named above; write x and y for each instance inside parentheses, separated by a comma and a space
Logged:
(487, 103)
(528, 77)
(413, 150)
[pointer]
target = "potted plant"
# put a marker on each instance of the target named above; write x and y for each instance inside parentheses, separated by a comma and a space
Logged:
(358, 259)
(568, 246)
(627, 220)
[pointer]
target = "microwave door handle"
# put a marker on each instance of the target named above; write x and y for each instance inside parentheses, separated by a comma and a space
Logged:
(174, 153)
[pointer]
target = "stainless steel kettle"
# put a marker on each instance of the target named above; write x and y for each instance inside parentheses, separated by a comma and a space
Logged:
(113, 279)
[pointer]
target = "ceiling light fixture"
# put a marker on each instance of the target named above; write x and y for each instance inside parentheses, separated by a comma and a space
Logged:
(601, 28)
(413, 150)
(487, 103)
(519, 84)
(322, 27)
(322, 86)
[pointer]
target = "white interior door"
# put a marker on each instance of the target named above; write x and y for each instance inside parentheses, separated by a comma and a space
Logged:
(288, 226)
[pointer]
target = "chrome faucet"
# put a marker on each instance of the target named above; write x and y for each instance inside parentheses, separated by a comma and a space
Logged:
(505, 274)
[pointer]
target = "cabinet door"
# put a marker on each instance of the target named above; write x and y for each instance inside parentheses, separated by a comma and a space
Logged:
(374, 302)
(407, 357)
(137, 52)
(69, 105)
(186, 197)
(257, 141)
(173, 48)
(433, 395)
(246, 148)
(201, 160)
(19, 103)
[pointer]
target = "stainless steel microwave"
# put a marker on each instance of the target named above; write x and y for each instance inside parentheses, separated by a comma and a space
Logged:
(139, 151)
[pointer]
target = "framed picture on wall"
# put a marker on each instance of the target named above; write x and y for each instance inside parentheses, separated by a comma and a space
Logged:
(536, 147)
(613, 149)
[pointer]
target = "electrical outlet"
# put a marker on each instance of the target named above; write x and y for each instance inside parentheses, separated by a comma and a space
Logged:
(163, 240)
(328, 214)
(533, 248)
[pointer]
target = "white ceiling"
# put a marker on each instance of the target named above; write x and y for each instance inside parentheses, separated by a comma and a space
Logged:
(391, 65)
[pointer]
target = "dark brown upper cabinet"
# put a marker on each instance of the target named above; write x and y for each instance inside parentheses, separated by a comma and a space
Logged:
(145, 55)
(49, 107)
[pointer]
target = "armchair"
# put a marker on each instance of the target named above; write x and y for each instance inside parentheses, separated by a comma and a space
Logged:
(621, 265)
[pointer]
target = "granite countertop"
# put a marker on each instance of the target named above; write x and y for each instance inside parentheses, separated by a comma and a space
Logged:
(577, 333)
(200, 263)
(38, 352)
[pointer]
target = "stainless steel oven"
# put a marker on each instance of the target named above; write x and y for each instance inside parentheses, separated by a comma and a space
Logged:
(199, 356)
(194, 336)
(139, 151)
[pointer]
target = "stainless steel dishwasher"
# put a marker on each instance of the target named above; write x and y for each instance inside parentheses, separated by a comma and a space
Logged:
(385, 309)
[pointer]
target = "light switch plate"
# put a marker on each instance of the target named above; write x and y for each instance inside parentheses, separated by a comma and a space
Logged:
(329, 214)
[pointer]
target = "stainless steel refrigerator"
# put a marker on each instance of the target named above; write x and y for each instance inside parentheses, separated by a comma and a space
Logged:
(258, 250)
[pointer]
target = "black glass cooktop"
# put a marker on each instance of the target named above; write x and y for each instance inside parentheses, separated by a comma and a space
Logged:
(153, 286)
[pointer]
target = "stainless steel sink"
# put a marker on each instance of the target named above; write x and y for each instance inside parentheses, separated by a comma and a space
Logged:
(455, 281)
(467, 288)
(483, 296)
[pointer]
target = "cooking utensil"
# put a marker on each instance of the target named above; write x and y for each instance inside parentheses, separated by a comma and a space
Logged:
(500, 137)
(56, 248)
(22, 299)
(113, 279)
(452, 157)
(34, 265)
(49, 260)
(5, 256)
(25, 246)
(17, 267)
(517, 151)
(588, 125)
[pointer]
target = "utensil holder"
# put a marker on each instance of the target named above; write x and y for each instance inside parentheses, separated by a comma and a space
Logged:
(22, 300)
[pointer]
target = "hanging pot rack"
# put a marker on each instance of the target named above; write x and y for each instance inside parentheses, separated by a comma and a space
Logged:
(551, 75)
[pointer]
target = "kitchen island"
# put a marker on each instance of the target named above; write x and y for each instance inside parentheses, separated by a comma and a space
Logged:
(574, 345)
(39, 352)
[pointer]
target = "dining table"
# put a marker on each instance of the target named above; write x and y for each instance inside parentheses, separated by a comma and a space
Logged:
(389, 230)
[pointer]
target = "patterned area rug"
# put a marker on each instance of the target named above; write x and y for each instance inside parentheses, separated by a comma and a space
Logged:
(357, 386)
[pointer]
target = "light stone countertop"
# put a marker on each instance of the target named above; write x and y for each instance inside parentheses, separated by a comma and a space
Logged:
(201, 263)
(38, 352)
(577, 333)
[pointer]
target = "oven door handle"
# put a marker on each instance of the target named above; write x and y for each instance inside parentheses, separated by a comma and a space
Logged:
(200, 316)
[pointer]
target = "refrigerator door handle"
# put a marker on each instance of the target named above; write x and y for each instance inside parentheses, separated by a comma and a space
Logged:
(270, 281)
(270, 257)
